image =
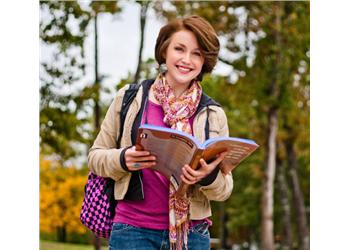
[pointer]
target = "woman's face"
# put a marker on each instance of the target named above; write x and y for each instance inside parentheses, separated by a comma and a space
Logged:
(183, 58)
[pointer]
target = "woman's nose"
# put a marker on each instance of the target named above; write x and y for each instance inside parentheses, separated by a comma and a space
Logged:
(186, 58)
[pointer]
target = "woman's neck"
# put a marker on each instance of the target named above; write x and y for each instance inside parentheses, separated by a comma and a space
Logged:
(178, 89)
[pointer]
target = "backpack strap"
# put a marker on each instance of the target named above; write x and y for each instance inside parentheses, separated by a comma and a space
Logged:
(135, 189)
(207, 125)
(129, 96)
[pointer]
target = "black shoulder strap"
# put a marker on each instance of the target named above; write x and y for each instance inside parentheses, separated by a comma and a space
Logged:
(129, 96)
(207, 125)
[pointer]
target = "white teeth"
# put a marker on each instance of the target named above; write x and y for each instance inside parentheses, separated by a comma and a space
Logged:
(184, 69)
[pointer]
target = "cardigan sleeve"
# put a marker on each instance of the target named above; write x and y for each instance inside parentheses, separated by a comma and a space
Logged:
(104, 158)
(221, 187)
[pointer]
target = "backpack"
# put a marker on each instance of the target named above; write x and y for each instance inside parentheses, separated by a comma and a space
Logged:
(98, 206)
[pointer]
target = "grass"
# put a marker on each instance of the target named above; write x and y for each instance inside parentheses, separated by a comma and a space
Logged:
(51, 245)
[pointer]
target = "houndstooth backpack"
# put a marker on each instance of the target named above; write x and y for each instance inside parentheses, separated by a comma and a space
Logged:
(98, 207)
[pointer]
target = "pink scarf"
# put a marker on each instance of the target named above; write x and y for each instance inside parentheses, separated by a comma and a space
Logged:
(177, 112)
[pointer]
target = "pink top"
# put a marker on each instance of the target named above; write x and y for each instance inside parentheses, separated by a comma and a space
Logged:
(153, 211)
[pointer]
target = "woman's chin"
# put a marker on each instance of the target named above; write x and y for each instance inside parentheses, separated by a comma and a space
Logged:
(184, 79)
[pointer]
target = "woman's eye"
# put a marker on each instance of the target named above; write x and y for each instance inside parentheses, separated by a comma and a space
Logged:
(178, 48)
(197, 53)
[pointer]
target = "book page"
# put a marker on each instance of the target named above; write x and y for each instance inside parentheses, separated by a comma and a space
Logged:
(237, 149)
(172, 150)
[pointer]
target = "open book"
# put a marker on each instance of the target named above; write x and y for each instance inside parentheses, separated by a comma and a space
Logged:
(174, 149)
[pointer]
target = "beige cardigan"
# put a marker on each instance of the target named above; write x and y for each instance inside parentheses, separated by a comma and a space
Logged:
(103, 158)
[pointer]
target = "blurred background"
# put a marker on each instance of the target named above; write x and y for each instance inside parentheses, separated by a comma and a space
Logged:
(89, 50)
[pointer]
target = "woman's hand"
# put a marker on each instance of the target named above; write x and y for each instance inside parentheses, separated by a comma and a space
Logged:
(191, 176)
(136, 160)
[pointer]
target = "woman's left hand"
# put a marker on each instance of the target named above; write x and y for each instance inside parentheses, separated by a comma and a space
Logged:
(191, 176)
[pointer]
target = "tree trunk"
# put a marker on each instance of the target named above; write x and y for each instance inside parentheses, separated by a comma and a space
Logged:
(143, 17)
(223, 228)
(287, 243)
(61, 234)
(267, 233)
(267, 236)
(96, 240)
(298, 198)
(97, 83)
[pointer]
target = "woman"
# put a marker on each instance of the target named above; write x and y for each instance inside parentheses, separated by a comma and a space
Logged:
(148, 216)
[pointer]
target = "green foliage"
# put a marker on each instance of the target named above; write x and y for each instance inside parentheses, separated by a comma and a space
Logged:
(65, 108)
(110, 7)
(59, 125)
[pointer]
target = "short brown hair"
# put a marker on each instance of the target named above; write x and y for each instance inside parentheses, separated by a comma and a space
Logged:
(206, 36)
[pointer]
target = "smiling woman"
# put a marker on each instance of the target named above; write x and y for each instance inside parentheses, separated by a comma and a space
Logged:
(148, 214)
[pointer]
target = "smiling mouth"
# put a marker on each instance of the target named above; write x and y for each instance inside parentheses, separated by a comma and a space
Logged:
(183, 70)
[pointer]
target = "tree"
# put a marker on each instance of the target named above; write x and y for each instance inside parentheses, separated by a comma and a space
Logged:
(61, 197)
(143, 17)
(296, 141)
(65, 115)
(287, 27)
(282, 187)
(98, 8)
(60, 126)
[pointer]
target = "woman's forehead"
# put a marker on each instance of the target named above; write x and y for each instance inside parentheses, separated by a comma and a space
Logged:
(185, 38)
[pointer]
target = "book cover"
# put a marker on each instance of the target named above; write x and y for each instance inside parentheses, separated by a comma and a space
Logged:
(174, 149)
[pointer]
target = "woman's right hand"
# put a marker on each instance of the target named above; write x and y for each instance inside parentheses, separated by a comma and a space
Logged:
(136, 160)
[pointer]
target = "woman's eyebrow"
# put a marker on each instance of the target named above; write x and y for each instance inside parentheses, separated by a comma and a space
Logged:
(182, 45)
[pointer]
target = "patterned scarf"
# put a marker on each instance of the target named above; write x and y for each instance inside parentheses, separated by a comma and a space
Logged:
(177, 112)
